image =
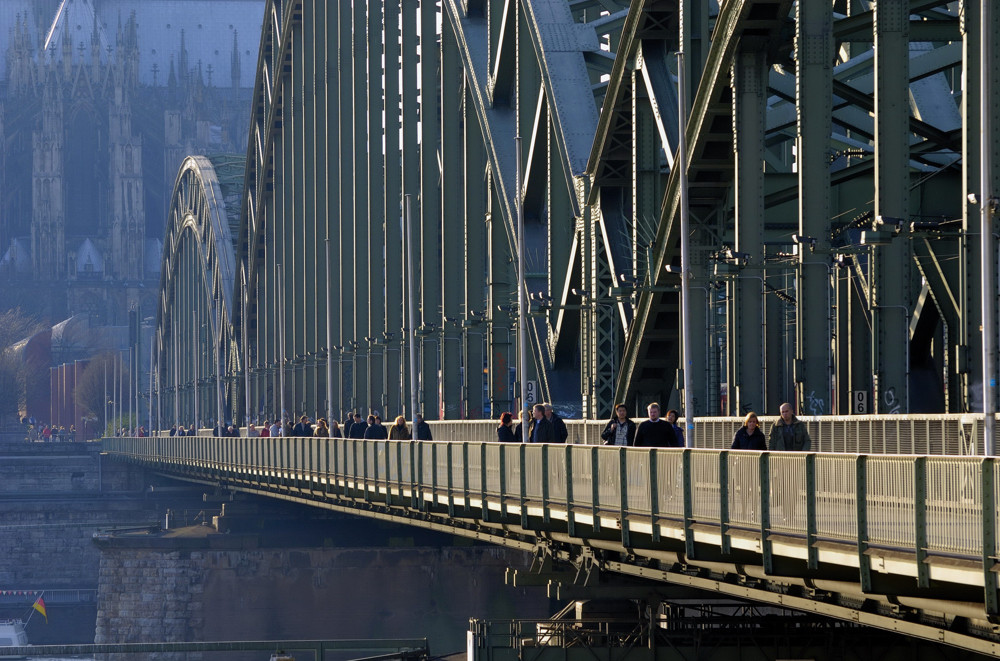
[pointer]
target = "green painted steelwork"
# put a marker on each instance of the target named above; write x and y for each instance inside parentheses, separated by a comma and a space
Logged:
(830, 242)
(749, 514)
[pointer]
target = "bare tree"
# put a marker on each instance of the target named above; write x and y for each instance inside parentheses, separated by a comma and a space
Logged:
(18, 375)
(95, 381)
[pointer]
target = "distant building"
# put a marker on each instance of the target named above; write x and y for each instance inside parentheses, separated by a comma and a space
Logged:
(100, 101)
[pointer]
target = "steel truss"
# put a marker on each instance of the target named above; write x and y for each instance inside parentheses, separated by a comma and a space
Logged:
(830, 165)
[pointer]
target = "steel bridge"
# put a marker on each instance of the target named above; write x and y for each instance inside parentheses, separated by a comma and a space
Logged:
(904, 543)
(832, 165)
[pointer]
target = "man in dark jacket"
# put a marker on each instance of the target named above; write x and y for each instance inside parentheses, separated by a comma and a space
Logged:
(302, 427)
(359, 427)
(621, 429)
(656, 432)
(376, 430)
(421, 430)
(540, 430)
(558, 426)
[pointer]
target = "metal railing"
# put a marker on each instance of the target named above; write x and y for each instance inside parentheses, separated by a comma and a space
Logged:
(914, 504)
(939, 434)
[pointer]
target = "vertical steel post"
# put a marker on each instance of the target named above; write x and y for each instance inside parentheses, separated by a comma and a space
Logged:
(217, 338)
(987, 249)
(246, 351)
(412, 306)
(280, 279)
(149, 409)
(681, 163)
(329, 338)
(105, 419)
(522, 299)
(196, 356)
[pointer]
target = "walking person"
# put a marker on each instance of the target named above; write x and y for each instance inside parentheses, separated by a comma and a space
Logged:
(505, 430)
(399, 431)
(558, 425)
(359, 427)
(620, 430)
(521, 426)
(749, 436)
(335, 430)
(540, 430)
(302, 427)
(656, 432)
(421, 430)
(788, 433)
(375, 429)
(321, 428)
(678, 431)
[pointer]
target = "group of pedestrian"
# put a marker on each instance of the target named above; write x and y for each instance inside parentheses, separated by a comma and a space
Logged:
(538, 424)
(654, 432)
(788, 433)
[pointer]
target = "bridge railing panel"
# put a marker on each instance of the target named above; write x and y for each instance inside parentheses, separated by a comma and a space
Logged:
(836, 497)
(705, 480)
(788, 494)
(889, 497)
(493, 468)
(582, 475)
(512, 468)
(954, 506)
(743, 486)
(474, 467)
(637, 480)
(558, 458)
(609, 476)
(533, 470)
(670, 483)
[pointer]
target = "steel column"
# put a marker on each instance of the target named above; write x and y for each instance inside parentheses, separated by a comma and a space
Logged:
(746, 346)
(814, 98)
(891, 266)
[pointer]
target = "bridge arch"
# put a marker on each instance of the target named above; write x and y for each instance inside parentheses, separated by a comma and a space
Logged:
(193, 337)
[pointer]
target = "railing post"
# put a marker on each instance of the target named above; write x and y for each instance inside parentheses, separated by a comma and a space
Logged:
(812, 553)
(451, 481)
(545, 484)
(724, 522)
(524, 485)
(595, 487)
(422, 503)
(920, 520)
(483, 477)
(861, 497)
(570, 515)
(465, 475)
(989, 499)
(654, 497)
(623, 489)
(503, 482)
(767, 557)
(688, 505)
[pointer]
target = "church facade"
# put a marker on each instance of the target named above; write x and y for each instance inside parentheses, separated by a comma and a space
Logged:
(100, 101)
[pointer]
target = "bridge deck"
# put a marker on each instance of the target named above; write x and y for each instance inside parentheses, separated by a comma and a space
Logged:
(914, 531)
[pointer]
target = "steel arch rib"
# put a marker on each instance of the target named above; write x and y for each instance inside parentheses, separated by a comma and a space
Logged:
(197, 209)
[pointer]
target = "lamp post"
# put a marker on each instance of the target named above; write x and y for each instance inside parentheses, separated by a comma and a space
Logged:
(522, 303)
(987, 252)
(681, 163)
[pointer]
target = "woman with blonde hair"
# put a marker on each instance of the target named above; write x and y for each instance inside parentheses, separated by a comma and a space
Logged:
(399, 431)
(749, 436)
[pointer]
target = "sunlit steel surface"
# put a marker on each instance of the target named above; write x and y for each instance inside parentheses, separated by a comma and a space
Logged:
(918, 532)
